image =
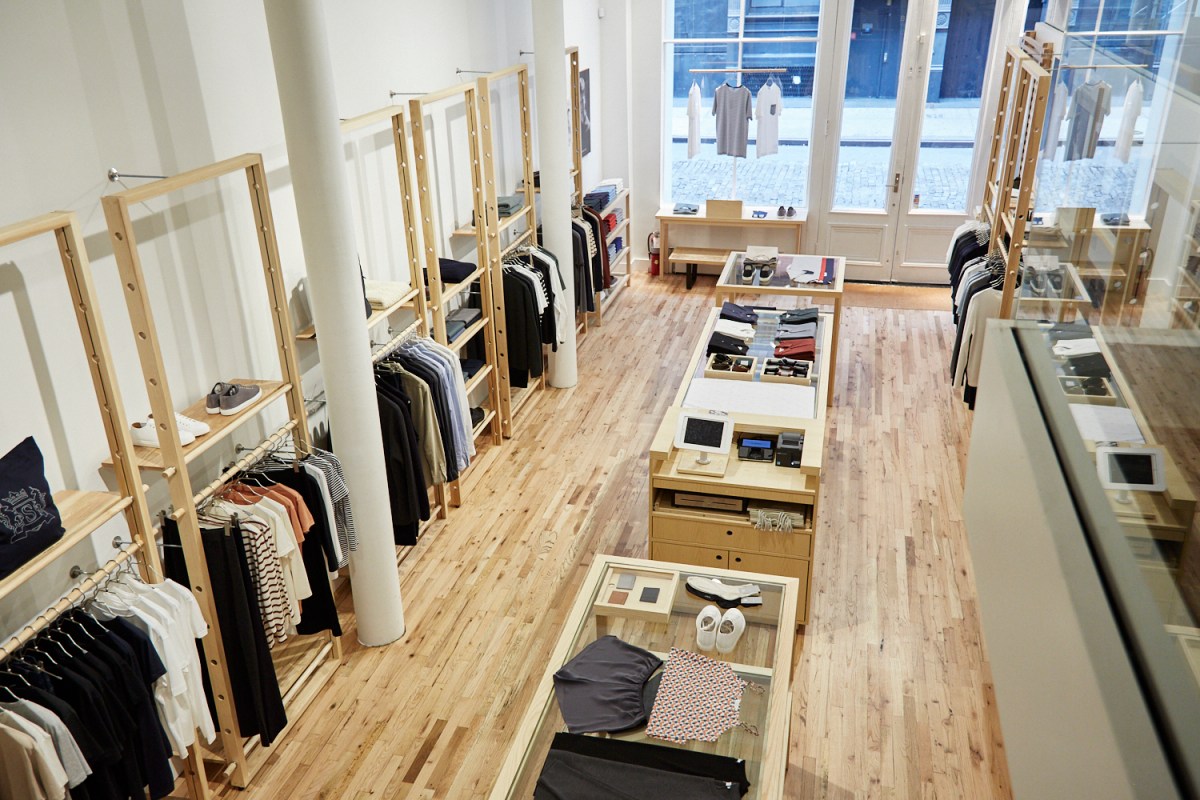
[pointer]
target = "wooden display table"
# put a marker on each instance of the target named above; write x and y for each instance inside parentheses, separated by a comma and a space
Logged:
(667, 218)
(713, 538)
(763, 656)
(729, 286)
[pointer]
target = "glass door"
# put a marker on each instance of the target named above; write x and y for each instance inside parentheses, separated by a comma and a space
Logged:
(906, 127)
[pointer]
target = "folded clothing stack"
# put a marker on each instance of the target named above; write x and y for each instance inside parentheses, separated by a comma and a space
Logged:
(610, 223)
(796, 335)
(804, 349)
(798, 273)
(614, 249)
(723, 343)
(507, 205)
(601, 197)
(459, 320)
(452, 271)
(737, 313)
(738, 330)
(381, 294)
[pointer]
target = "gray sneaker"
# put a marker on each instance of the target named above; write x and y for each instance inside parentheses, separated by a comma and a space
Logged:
(237, 396)
(213, 403)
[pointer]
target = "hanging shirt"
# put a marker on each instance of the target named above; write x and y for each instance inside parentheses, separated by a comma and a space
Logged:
(767, 110)
(693, 113)
(37, 749)
(1091, 104)
(65, 746)
(1058, 111)
(732, 108)
(1129, 117)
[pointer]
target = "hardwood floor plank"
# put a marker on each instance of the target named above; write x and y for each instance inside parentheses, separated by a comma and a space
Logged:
(892, 694)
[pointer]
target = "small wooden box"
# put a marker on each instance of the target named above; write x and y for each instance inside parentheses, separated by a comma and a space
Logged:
(1071, 388)
(723, 209)
(805, 381)
(614, 602)
(748, 375)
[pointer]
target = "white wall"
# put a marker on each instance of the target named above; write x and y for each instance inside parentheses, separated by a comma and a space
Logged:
(160, 88)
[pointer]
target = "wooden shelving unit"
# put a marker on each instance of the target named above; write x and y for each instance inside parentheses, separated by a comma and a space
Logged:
(624, 259)
(439, 294)
(499, 229)
(1012, 162)
(238, 758)
(576, 129)
(84, 512)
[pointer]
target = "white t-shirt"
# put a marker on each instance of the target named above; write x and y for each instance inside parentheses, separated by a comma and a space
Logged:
(693, 112)
(1129, 117)
(768, 109)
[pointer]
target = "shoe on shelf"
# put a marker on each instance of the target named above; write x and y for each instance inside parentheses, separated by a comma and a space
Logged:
(722, 594)
(212, 403)
(237, 396)
(791, 211)
(143, 435)
(730, 630)
(707, 622)
(186, 424)
(748, 272)
(782, 211)
(766, 272)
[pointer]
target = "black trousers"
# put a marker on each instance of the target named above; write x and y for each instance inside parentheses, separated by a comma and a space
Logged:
(656, 756)
(254, 686)
(570, 776)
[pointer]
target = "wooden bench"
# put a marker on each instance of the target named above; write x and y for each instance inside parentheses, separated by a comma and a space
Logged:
(693, 257)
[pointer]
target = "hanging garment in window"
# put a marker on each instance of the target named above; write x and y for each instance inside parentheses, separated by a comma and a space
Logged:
(1090, 105)
(693, 113)
(768, 109)
(1129, 117)
(733, 110)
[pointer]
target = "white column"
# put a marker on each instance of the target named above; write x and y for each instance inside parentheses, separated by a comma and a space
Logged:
(554, 163)
(304, 74)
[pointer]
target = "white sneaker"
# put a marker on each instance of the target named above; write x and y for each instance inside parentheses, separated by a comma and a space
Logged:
(186, 424)
(143, 435)
(733, 625)
(707, 622)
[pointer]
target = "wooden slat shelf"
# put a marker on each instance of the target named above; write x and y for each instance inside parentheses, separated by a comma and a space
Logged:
(488, 416)
(616, 231)
(82, 514)
(468, 334)
(150, 458)
(453, 289)
(505, 223)
(376, 317)
(478, 378)
(515, 243)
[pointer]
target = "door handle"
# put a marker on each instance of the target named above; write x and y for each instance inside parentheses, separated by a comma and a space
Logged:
(896, 183)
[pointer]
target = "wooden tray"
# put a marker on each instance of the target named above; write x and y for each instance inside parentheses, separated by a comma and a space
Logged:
(1109, 398)
(614, 602)
(709, 372)
(805, 381)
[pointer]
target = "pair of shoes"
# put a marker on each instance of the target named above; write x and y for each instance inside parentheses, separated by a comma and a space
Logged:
(722, 631)
(230, 398)
(724, 595)
(749, 270)
(790, 211)
(142, 433)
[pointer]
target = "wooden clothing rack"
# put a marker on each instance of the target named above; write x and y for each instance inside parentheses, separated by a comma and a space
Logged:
(439, 294)
(84, 512)
(1012, 162)
(511, 401)
(308, 671)
(414, 302)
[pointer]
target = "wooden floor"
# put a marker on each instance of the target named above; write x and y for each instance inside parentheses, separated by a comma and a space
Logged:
(892, 689)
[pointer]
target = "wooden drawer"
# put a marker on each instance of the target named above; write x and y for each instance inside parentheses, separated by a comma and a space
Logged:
(689, 554)
(773, 565)
(734, 535)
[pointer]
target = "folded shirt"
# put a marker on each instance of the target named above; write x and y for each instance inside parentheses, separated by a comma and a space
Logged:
(738, 330)
(808, 331)
(381, 294)
(798, 315)
(454, 329)
(732, 311)
(805, 349)
(1076, 347)
(454, 271)
(467, 316)
(470, 366)
(686, 208)
(720, 343)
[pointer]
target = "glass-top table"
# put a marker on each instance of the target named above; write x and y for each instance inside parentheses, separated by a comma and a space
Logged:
(762, 657)
(790, 278)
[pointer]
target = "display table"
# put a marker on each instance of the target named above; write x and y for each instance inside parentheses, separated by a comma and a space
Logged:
(718, 538)
(730, 285)
(667, 219)
(763, 656)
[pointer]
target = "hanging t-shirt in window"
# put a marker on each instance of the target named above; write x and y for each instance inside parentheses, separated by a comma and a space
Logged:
(1090, 105)
(732, 108)
(767, 110)
(693, 112)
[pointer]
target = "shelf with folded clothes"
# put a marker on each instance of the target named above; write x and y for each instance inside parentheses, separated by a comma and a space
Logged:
(617, 202)
(506, 222)
(615, 232)
(378, 315)
(459, 341)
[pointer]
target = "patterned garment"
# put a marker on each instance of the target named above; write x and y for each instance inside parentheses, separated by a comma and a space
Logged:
(339, 493)
(699, 698)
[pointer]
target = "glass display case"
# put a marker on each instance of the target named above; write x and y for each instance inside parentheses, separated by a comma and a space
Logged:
(762, 657)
